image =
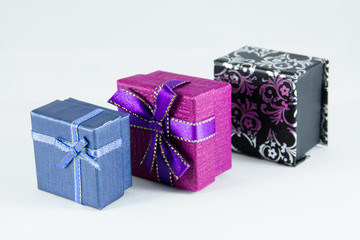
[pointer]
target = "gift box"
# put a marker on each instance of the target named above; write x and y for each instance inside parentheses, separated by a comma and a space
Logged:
(279, 102)
(180, 127)
(82, 151)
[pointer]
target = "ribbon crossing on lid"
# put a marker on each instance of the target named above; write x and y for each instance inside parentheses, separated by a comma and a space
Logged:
(76, 150)
(160, 153)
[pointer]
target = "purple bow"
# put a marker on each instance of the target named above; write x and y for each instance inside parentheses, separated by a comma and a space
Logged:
(160, 153)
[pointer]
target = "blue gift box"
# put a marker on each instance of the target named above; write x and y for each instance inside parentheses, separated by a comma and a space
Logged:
(82, 151)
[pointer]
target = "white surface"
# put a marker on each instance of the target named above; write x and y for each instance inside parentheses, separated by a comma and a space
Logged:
(57, 49)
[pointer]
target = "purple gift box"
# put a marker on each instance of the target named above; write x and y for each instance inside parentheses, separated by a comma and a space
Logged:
(180, 127)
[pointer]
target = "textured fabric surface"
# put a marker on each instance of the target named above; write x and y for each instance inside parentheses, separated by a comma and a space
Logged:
(196, 101)
(98, 188)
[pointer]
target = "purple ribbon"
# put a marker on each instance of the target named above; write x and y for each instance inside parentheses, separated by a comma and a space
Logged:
(160, 153)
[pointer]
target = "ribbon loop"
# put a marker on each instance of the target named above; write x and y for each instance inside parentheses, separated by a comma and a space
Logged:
(72, 152)
(164, 98)
(160, 153)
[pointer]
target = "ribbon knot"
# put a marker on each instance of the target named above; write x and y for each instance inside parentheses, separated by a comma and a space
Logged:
(157, 127)
(76, 150)
(160, 153)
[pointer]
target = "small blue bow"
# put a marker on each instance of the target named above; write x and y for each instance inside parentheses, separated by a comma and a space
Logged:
(78, 150)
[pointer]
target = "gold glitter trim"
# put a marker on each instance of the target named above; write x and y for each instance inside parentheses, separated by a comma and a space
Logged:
(167, 126)
(138, 97)
(181, 83)
(176, 152)
(157, 90)
(157, 172)
(169, 106)
(167, 162)
(154, 154)
(142, 160)
(171, 181)
(145, 128)
(193, 141)
(159, 87)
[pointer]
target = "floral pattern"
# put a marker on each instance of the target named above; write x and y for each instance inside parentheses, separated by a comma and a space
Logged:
(274, 150)
(279, 95)
(324, 125)
(245, 120)
(264, 100)
(324, 109)
(286, 61)
(242, 81)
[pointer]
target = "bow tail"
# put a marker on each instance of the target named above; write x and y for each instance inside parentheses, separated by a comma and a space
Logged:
(150, 155)
(163, 172)
(172, 159)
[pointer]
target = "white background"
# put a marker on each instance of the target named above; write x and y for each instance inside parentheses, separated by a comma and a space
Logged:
(58, 49)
